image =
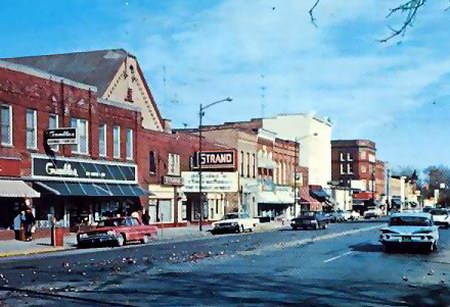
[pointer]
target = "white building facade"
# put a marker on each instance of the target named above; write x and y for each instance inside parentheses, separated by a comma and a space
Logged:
(314, 136)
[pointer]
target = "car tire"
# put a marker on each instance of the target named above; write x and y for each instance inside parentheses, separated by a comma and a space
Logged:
(294, 227)
(325, 226)
(120, 240)
(145, 239)
(387, 248)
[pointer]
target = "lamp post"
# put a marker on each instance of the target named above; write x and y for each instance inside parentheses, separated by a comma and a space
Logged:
(201, 114)
(297, 145)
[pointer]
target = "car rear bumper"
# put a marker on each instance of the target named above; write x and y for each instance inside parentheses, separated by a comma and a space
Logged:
(224, 229)
(441, 223)
(96, 241)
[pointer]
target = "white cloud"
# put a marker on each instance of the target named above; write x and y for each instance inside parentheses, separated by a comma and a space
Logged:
(228, 48)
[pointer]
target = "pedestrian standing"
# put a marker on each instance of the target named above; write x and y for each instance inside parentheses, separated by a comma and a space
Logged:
(17, 223)
(29, 224)
(146, 218)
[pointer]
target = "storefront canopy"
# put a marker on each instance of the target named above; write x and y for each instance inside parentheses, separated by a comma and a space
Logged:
(17, 188)
(285, 197)
(92, 189)
(265, 197)
(305, 198)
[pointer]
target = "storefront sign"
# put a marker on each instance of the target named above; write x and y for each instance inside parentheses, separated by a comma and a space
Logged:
(61, 136)
(82, 170)
(218, 182)
(214, 159)
(172, 180)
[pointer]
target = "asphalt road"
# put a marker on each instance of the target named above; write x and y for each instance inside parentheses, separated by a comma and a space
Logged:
(340, 266)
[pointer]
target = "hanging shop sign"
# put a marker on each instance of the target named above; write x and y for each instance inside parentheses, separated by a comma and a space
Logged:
(214, 182)
(82, 170)
(61, 136)
(172, 180)
(214, 159)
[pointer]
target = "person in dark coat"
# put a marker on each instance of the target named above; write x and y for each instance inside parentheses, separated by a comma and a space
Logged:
(29, 224)
(146, 218)
(18, 220)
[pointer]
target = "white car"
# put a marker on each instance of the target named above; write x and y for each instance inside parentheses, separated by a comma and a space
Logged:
(234, 222)
(351, 215)
(440, 217)
(374, 212)
(410, 229)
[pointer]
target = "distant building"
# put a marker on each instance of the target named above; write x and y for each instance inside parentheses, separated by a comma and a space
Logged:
(354, 165)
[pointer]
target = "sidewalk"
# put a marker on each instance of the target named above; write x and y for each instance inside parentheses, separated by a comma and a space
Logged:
(12, 248)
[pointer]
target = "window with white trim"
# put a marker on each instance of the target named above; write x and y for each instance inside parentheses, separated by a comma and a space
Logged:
(349, 168)
(363, 169)
(363, 155)
(82, 131)
(349, 157)
(341, 156)
(343, 170)
(116, 141)
(173, 167)
(6, 125)
(53, 124)
(31, 129)
(129, 144)
(102, 147)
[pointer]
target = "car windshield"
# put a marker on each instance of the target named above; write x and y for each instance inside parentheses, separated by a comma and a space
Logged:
(410, 221)
(112, 223)
(439, 212)
(231, 216)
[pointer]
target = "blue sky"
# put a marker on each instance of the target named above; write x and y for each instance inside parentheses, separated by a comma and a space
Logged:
(267, 53)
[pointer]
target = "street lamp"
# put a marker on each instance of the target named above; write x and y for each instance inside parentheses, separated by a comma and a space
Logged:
(297, 139)
(201, 113)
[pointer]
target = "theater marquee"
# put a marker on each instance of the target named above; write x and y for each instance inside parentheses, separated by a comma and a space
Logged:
(215, 160)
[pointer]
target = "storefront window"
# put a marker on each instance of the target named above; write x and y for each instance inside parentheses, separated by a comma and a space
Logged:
(164, 211)
(31, 123)
(102, 140)
(129, 144)
(6, 125)
(116, 140)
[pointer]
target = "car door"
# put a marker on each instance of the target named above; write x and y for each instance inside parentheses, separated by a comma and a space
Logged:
(131, 228)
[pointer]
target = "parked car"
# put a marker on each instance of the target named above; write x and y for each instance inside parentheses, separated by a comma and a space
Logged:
(234, 222)
(410, 229)
(373, 213)
(315, 220)
(339, 216)
(353, 215)
(440, 217)
(117, 231)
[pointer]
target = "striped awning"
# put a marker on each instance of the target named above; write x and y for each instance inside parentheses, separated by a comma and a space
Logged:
(17, 188)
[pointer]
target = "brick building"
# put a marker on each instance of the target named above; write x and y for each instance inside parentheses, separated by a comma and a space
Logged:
(354, 165)
(163, 159)
(72, 182)
(266, 167)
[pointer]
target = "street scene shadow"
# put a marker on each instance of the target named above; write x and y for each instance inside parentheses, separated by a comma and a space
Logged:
(367, 248)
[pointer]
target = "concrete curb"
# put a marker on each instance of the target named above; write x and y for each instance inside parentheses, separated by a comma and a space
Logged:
(32, 252)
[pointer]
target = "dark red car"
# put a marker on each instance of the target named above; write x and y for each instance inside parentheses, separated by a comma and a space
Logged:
(117, 231)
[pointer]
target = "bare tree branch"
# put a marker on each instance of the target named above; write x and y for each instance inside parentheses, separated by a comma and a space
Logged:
(311, 13)
(411, 7)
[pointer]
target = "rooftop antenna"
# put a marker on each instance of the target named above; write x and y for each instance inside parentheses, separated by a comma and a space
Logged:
(263, 95)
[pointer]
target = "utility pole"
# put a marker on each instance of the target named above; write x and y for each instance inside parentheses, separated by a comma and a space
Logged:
(295, 176)
(201, 113)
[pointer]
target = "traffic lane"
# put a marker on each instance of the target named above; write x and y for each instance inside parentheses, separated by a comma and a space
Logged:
(88, 270)
(345, 270)
(161, 283)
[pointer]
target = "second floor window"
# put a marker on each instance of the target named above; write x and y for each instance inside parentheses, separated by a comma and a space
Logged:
(129, 144)
(102, 140)
(152, 163)
(116, 141)
(248, 165)
(350, 168)
(254, 166)
(173, 165)
(52, 124)
(242, 163)
(343, 170)
(31, 124)
(82, 130)
(6, 125)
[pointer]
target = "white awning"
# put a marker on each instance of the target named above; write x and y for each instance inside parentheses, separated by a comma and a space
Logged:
(285, 197)
(266, 197)
(17, 188)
